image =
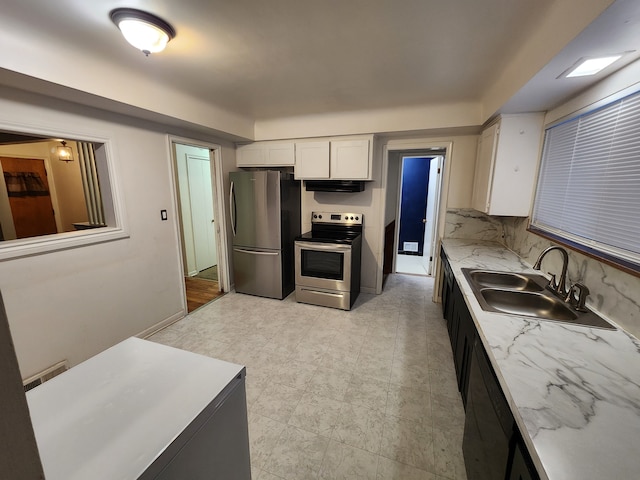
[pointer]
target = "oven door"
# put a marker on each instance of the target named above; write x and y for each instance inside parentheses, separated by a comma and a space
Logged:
(323, 265)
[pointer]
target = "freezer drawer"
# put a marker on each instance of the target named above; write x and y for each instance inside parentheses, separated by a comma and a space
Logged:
(258, 272)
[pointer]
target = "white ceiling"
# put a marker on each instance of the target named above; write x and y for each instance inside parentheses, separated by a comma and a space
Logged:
(277, 58)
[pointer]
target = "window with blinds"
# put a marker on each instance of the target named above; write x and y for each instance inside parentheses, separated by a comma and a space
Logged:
(588, 192)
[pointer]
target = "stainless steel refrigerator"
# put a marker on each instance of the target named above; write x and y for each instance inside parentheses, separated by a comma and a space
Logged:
(265, 219)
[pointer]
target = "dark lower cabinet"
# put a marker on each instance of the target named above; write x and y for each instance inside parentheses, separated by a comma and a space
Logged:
(460, 326)
(447, 287)
(493, 448)
(521, 465)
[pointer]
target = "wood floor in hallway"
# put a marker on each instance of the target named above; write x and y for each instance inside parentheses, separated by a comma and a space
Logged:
(200, 292)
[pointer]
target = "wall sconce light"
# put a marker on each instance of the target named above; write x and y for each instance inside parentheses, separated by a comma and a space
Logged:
(145, 31)
(65, 154)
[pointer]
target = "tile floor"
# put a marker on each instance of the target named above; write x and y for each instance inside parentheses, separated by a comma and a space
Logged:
(365, 394)
(410, 264)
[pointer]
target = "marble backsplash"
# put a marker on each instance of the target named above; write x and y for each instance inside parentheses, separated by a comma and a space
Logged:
(470, 224)
(613, 292)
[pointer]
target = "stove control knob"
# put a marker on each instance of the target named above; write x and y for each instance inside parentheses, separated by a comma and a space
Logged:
(319, 216)
(346, 217)
(351, 218)
(357, 218)
(315, 216)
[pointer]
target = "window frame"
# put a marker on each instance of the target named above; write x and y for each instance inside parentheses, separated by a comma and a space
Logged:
(589, 247)
(112, 199)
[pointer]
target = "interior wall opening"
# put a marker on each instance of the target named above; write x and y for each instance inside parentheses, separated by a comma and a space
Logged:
(202, 255)
(411, 219)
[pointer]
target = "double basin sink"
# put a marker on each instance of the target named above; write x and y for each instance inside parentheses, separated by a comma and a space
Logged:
(525, 294)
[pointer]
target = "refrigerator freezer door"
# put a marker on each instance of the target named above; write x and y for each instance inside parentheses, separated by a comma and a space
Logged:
(255, 209)
(258, 272)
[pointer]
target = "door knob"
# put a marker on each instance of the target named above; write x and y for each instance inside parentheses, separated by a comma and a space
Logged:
(424, 220)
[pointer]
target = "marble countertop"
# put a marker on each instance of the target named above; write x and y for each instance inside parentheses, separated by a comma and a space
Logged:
(574, 391)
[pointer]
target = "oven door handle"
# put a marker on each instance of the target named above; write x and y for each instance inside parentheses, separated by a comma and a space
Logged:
(332, 247)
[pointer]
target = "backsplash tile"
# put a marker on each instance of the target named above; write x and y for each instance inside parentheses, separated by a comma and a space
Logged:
(471, 224)
(613, 293)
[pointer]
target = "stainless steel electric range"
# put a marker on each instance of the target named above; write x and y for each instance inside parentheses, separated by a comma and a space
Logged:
(327, 260)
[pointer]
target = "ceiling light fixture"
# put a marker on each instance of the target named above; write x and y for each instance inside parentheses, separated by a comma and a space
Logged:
(145, 31)
(590, 66)
(65, 154)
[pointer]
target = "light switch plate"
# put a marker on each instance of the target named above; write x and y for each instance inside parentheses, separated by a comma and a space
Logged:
(163, 214)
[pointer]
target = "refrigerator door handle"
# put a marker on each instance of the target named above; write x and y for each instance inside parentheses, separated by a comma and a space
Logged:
(232, 208)
(255, 252)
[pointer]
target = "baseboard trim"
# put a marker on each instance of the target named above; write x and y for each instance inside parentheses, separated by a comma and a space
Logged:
(163, 324)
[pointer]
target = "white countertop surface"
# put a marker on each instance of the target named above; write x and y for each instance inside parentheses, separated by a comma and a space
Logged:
(574, 390)
(111, 416)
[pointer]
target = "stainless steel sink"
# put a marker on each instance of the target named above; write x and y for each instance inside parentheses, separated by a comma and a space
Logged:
(529, 304)
(524, 294)
(510, 280)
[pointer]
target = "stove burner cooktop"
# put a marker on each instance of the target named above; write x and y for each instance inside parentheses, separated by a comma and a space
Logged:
(333, 227)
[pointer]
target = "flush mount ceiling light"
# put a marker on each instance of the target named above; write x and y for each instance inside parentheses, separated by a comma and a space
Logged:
(65, 154)
(590, 66)
(145, 31)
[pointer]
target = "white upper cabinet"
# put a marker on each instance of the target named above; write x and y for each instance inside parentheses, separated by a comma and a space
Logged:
(336, 159)
(505, 175)
(312, 160)
(266, 154)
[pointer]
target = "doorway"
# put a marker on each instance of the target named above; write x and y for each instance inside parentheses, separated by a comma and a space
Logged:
(413, 189)
(200, 224)
(416, 223)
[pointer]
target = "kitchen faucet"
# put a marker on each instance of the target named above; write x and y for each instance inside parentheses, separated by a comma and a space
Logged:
(559, 288)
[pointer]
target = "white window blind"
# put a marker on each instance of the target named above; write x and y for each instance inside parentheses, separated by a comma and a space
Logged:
(589, 183)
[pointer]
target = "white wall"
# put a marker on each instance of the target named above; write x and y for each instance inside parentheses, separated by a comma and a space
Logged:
(393, 188)
(400, 119)
(74, 303)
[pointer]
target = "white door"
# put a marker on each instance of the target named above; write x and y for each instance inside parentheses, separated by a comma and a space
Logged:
(202, 219)
(430, 215)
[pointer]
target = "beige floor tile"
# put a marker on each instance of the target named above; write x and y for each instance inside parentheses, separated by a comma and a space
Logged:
(316, 414)
(254, 387)
(367, 392)
(447, 446)
(343, 462)
(295, 374)
(412, 375)
(331, 383)
(262, 475)
(309, 351)
(408, 441)
(374, 366)
(277, 402)
(448, 412)
(366, 378)
(359, 427)
(263, 436)
(391, 470)
(409, 403)
(298, 454)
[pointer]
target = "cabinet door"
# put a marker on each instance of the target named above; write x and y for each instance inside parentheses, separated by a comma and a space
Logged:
(250, 155)
(521, 465)
(350, 160)
(312, 160)
(279, 154)
(484, 168)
